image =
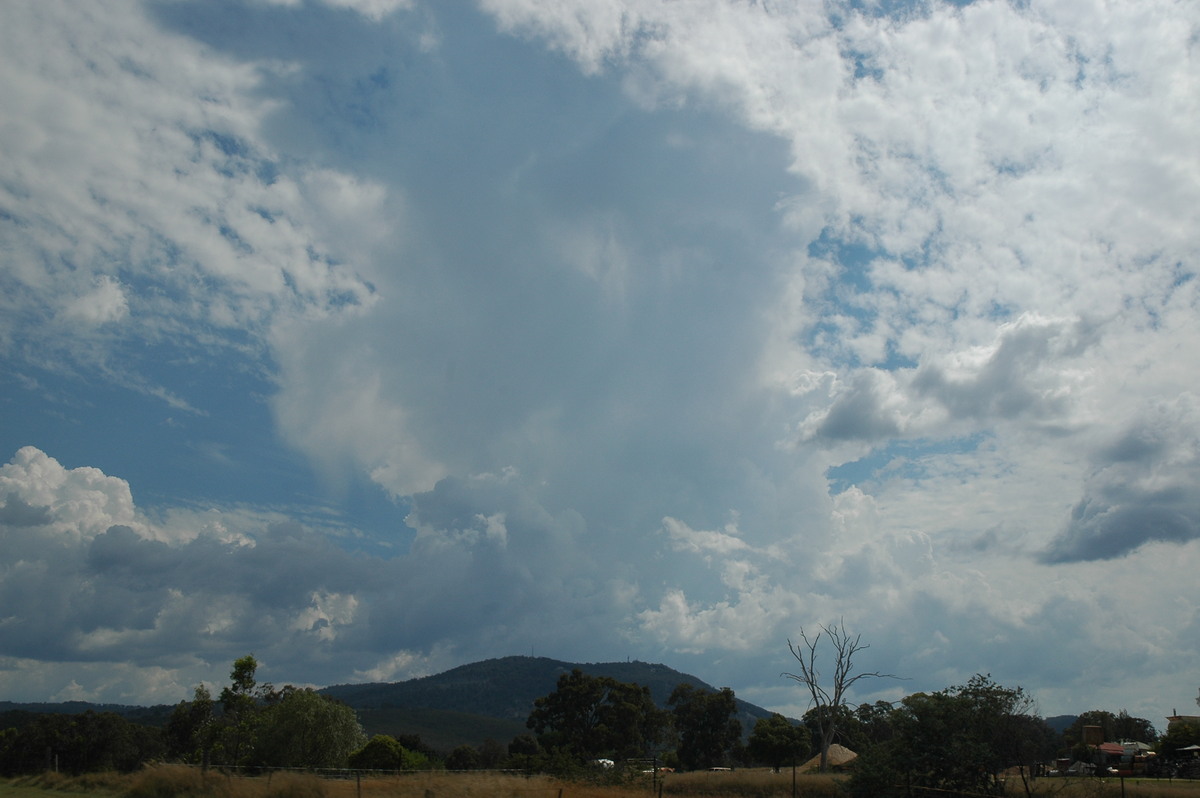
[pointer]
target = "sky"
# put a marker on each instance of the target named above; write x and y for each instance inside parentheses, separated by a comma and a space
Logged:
(375, 337)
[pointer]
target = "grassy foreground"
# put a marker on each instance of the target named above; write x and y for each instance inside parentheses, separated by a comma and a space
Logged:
(170, 781)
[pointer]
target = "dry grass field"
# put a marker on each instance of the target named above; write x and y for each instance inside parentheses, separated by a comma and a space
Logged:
(181, 782)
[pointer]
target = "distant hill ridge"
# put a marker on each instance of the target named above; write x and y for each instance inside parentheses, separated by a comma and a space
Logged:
(467, 704)
(507, 687)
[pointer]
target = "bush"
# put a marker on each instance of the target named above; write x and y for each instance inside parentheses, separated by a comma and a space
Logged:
(382, 752)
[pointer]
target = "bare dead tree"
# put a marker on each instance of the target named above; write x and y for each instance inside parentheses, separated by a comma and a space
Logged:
(829, 698)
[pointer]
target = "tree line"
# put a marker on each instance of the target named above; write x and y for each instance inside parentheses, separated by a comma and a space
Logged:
(956, 739)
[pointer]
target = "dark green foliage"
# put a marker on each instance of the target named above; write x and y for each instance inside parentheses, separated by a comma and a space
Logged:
(874, 724)
(1139, 730)
(846, 728)
(522, 752)
(255, 725)
(707, 727)
(11, 713)
(438, 730)
(416, 748)
(491, 754)
(188, 733)
(78, 744)
(302, 728)
(588, 717)
(384, 752)
(233, 737)
(776, 741)
(956, 740)
(467, 704)
(463, 758)
(1180, 734)
(1115, 728)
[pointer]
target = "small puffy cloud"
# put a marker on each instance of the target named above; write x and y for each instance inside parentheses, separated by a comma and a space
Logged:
(684, 538)
(105, 303)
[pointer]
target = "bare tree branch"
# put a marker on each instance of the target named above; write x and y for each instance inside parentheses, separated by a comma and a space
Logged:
(828, 698)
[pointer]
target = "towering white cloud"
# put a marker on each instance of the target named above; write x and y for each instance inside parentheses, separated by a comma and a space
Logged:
(665, 328)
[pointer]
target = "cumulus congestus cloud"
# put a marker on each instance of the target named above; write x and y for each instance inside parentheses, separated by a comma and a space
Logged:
(377, 336)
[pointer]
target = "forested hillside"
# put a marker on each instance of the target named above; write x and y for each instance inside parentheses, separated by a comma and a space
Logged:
(507, 687)
(17, 715)
(465, 705)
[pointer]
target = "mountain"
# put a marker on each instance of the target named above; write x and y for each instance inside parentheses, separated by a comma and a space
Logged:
(16, 715)
(464, 705)
(494, 690)
(1060, 723)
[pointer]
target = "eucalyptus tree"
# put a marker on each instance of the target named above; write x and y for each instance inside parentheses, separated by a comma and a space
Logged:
(588, 717)
(707, 725)
(828, 693)
(954, 741)
(777, 741)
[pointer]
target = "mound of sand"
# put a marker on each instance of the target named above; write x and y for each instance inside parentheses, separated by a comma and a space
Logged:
(839, 756)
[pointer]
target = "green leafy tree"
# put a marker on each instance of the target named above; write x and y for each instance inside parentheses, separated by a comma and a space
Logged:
(302, 728)
(419, 754)
(1072, 736)
(847, 728)
(522, 750)
(1128, 727)
(382, 752)
(240, 709)
(1180, 734)
(463, 758)
(955, 740)
(189, 730)
(83, 743)
(588, 717)
(707, 725)
(1121, 726)
(776, 741)
(874, 724)
(491, 754)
